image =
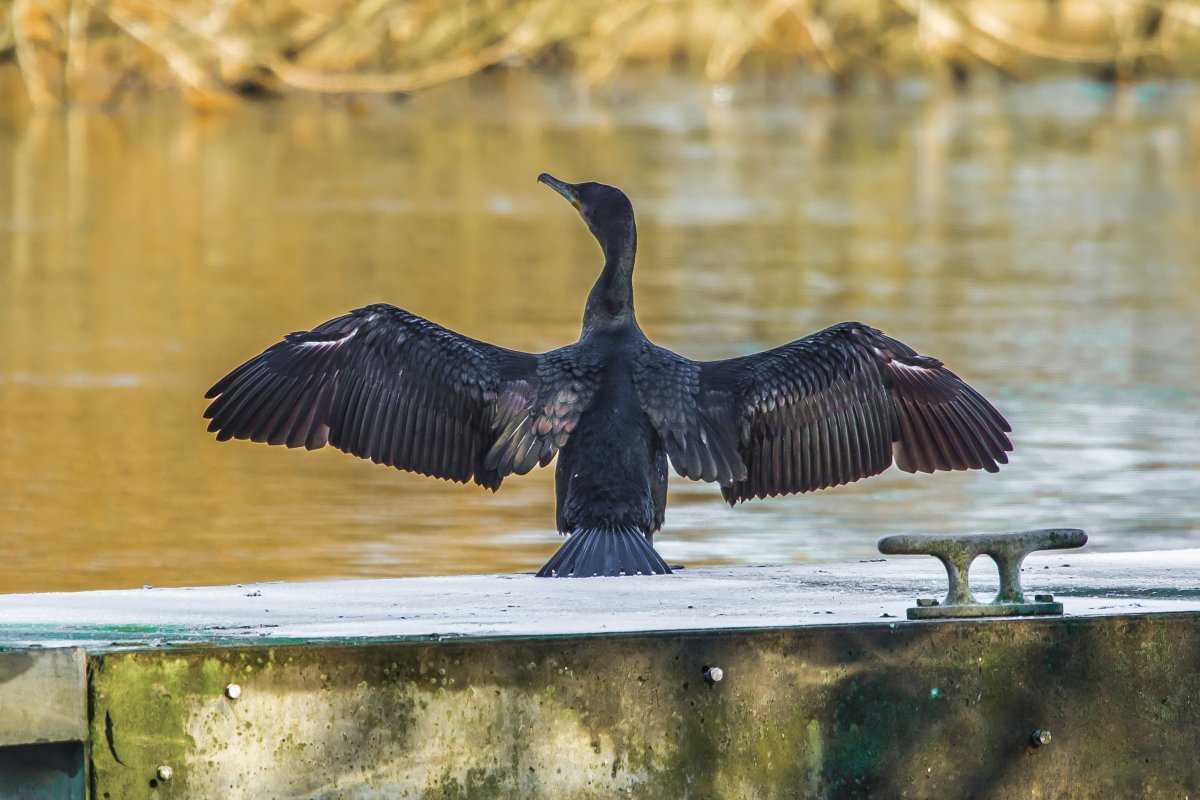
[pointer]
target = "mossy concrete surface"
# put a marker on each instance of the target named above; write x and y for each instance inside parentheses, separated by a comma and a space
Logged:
(890, 709)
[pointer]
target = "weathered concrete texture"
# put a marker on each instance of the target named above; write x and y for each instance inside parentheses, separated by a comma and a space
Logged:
(891, 709)
(42, 696)
(522, 605)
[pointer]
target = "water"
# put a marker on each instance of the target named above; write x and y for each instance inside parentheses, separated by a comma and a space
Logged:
(1042, 239)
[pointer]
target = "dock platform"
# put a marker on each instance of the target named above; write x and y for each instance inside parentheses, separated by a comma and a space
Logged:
(736, 682)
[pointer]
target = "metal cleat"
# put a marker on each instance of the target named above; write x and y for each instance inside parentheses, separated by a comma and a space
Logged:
(1008, 550)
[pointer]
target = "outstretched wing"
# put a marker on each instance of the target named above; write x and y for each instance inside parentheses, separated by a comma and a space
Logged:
(393, 387)
(824, 410)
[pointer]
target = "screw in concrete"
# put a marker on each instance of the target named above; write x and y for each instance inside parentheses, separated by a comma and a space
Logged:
(713, 674)
(233, 691)
(164, 773)
(1040, 737)
(1043, 598)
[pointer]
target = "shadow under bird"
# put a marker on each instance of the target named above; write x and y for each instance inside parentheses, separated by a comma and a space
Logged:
(831, 408)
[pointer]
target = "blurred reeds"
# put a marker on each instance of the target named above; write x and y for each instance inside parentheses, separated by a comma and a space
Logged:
(93, 51)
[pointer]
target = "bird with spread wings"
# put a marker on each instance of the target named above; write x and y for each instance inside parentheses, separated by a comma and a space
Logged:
(833, 407)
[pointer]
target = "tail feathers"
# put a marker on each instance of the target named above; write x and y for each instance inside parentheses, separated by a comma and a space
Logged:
(604, 551)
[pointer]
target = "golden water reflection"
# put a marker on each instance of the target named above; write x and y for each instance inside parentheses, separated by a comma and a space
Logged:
(1042, 239)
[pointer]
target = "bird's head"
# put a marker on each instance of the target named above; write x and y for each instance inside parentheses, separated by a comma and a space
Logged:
(609, 215)
(605, 209)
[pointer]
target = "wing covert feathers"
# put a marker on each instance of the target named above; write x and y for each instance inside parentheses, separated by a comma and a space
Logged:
(392, 387)
(698, 429)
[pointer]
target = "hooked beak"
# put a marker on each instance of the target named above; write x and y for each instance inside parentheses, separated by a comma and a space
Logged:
(567, 190)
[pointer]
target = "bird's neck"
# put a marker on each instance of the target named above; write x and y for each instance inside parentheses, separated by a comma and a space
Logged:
(610, 303)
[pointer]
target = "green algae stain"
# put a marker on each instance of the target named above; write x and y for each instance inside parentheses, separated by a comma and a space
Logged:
(815, 744)
(139, 705)
(862, 726)
(477, 784)
(787, 751)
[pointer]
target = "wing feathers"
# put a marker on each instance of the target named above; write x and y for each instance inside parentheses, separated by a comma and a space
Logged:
(385, 420)
(825, 410)
(854, 460)
(698, 430)
(394, 388)
(839, 405)
(284, 416)
(391, 387)
(954, 425)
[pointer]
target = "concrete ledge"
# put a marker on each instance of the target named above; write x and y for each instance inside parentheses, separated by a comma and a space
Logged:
(865, 592)
(508, 686)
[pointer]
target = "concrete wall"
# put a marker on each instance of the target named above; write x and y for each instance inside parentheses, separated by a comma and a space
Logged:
(922, 710)
(43, 722)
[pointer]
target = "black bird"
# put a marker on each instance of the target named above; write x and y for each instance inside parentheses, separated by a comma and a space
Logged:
(824, 410)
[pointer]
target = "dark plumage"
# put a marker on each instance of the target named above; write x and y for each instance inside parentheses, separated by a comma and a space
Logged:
(824, 410)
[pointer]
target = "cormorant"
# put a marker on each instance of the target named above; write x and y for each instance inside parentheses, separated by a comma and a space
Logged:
(831, 408)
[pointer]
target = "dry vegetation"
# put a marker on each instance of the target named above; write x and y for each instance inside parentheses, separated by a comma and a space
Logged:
(96, 51)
